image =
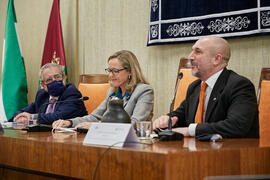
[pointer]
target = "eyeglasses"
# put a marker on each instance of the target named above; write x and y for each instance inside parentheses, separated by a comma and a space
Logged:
(114, 71)
(50, 79)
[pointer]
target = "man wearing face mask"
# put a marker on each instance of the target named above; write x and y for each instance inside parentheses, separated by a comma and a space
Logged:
(53, 89)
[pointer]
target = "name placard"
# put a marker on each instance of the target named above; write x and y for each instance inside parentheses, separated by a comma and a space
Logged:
(108, 134)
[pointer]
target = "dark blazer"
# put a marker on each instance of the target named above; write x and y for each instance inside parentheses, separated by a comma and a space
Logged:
(66, 110)
(232, 109)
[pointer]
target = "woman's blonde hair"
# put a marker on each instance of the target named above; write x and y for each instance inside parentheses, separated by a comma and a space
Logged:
(130, 62)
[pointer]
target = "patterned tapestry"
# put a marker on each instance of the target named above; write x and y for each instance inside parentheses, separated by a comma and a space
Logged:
(176, 21)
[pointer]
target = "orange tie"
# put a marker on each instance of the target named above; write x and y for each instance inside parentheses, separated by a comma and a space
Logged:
(199, 114)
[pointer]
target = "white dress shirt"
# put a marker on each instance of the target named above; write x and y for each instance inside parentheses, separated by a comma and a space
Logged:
(210, 85)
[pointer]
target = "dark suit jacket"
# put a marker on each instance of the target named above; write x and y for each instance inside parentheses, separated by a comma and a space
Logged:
(231, 111)
(66, 110)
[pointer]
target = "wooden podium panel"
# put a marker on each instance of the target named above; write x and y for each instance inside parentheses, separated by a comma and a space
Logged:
(62, 155)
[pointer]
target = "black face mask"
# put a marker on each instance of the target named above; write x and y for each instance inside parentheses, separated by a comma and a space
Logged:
(56, 88)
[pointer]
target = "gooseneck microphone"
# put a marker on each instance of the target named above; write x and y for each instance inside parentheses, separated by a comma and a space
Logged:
(43, 127)
(169, 135)
(179, 77)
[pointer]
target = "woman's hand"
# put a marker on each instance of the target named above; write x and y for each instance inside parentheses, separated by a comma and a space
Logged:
(86, 125)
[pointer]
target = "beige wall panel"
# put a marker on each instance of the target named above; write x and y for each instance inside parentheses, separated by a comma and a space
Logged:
(249, 55)
(108, 26)
(33, 18)
(68, 19)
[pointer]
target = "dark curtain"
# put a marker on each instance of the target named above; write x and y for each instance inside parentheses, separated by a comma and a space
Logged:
(175, 21)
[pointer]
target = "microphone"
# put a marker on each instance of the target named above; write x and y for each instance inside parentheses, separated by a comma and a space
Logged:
(169, 135)
(179, 77)
(43, 127)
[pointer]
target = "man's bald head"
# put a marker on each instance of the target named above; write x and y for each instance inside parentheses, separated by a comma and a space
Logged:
(209, 55)
(218, 45)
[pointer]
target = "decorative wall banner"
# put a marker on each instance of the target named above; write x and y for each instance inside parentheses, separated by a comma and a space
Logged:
(176, 21)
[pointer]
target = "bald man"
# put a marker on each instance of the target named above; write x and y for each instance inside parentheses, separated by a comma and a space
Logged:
(230, 105)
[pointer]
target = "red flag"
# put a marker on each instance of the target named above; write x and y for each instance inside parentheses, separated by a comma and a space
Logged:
(54, 51)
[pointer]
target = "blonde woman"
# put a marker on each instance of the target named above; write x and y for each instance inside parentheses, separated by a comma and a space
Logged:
(127, 83)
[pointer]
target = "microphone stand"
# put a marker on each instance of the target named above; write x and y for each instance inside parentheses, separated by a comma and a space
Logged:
(180, 76)
(169, 135)
(43, 127)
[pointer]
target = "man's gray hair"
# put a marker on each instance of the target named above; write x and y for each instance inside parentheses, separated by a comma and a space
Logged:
(49, 66)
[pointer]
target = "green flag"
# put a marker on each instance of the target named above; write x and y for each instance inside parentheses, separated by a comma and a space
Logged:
(13, 83)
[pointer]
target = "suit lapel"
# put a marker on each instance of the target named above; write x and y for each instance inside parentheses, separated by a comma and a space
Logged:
(194, 101)
(43, 106)
(215, 95)
(125, 99)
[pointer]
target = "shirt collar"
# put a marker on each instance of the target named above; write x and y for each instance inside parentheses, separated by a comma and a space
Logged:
(212, 80)
(119, 94)
(54, 98)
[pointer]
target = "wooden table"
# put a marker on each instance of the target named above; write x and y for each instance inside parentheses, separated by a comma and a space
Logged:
(62, 155)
